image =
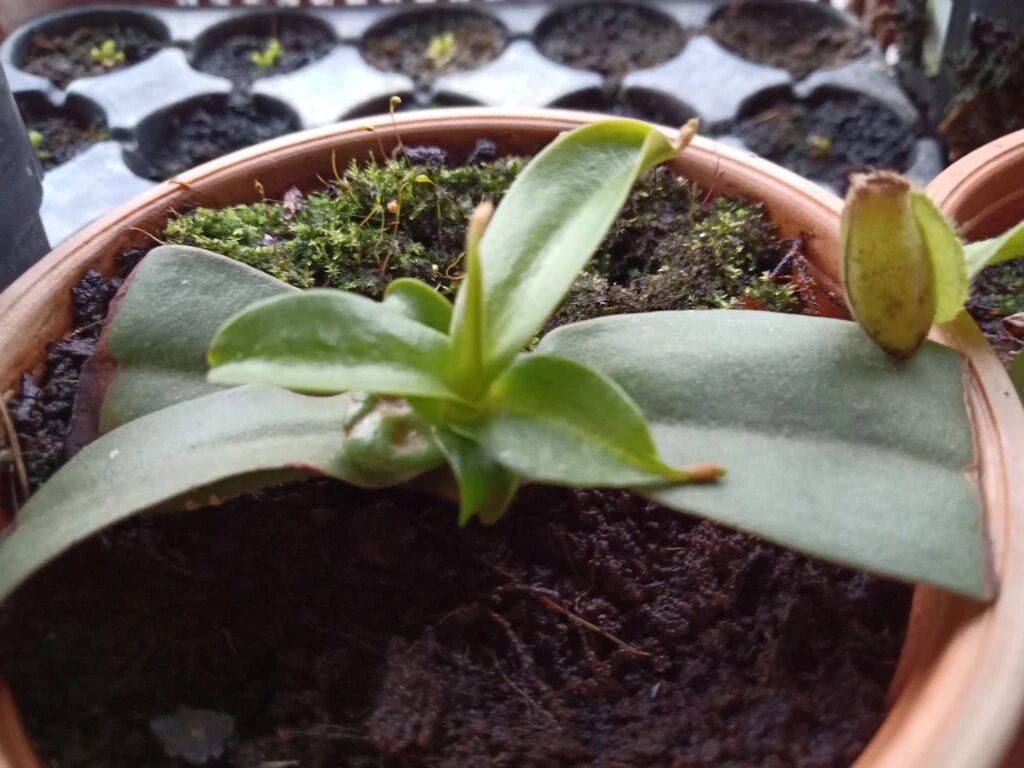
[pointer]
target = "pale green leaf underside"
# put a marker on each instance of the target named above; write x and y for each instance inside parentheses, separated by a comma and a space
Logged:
(326, 341)
(178, 298)
(420, 302)
(832, 448)
(985, 253)
(556, 421)
(949, 275)
(486, 487)
(238, 435)
(551, 221)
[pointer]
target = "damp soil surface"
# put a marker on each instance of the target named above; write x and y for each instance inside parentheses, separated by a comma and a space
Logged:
(794, 36)
(58, 135)
(65, 56)
(997, 296)
(610, 37)
(989, 77)
(646, 106)
(827, 139)
(424, 44)
(206, 130)
(343, 628)
(230, 54)
(42, 410)
(318, 625)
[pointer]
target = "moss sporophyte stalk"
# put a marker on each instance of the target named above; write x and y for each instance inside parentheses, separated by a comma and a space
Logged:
(373, 375)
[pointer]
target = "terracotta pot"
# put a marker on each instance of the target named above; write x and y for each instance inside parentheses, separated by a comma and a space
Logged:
(959, 690)
(982, 193)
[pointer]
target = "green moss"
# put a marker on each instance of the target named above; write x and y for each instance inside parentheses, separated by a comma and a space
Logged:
(669, 249)
(373, 225)
(1000, 289)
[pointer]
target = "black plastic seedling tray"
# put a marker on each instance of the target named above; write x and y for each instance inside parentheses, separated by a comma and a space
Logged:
(678, 71)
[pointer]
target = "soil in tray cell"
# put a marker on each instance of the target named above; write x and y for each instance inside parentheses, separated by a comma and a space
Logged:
(63, 54)
(263, 45)
(58, 134)
(792, 35)
(827, 139)
(425, 43)
(209, 128)
(612, 38)
(635, 104)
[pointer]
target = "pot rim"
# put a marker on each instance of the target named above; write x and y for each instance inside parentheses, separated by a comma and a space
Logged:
(957, 694)
(966, 189)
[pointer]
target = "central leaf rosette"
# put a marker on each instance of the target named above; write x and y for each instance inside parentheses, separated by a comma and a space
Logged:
(493, 412)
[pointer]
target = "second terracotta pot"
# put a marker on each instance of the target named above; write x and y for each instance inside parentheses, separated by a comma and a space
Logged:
(983, 194)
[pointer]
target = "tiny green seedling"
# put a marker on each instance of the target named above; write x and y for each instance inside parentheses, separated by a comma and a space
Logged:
(107, 54)
(818, 145)
(441, 49)
(36, 139)
(269, 56)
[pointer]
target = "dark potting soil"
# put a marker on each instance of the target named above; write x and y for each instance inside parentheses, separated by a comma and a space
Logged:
(62, 58)
(794, 36)
(652, 108)
(610, 37)
(336, 626)
(828, 139)
(339, 627)
(989, 76)
(424, 44)
(204, 131)
(42, 411)
(59, 135)
(997, 294)
(303, 40)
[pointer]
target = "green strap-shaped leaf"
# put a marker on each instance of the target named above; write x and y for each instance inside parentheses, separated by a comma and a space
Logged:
(548, 225)
(556, 421)
(985, 253)
(326, 341)
(158, 338)
(833, 448)
(178, 299)
(225, 443)
(949, 274)
(486, 487)
(468, 320)
(420, 302)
